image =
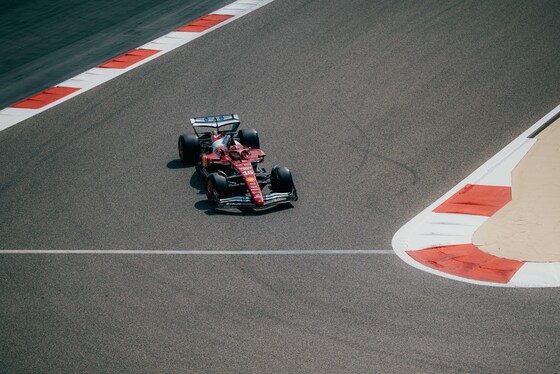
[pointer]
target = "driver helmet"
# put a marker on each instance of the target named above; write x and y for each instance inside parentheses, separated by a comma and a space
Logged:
(235, 152)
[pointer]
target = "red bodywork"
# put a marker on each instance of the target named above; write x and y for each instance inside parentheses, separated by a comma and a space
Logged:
(241, 158)
(245, 168)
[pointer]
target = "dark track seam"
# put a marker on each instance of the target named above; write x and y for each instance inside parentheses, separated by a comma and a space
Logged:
(544, 126)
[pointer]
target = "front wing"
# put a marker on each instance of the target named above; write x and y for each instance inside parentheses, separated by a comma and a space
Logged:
(270, 200)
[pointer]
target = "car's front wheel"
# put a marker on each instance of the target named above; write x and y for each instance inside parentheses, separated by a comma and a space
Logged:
(281, 179)
(216, 184)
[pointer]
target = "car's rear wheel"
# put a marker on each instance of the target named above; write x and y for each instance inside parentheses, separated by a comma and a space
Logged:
(249, 138)
(216, 184)
(189, 149)
(281, 179)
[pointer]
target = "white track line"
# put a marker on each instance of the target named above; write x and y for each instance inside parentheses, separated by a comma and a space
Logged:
(429, 229)
(189, 252)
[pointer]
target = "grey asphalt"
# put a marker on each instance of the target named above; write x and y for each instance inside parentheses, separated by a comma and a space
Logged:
(46, 42)
(378, 108)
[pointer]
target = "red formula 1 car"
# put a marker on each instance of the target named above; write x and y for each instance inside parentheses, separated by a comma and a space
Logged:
(228, 160)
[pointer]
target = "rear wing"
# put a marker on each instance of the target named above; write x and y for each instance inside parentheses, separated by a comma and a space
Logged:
(223, 123)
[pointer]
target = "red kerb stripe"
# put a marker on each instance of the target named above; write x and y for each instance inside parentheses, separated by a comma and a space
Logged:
(467, 261)
(129, 58)
(477, 200)
(204, 23)
(44, 98)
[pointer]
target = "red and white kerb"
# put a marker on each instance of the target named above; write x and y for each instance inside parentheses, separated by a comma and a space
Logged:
(108, 70)
(439, 239)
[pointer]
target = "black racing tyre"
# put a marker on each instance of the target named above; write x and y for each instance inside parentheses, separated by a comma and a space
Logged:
(281, 179)
(249, 138)
(216, 183)
(189, 149)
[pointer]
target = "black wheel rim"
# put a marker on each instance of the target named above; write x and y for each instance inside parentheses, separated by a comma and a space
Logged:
(181, 151)
(209, 189)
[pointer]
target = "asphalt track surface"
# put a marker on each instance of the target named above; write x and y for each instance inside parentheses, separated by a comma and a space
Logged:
(46, 42)
(377, 107)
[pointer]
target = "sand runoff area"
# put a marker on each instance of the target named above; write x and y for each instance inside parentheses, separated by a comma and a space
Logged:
(528, 227)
